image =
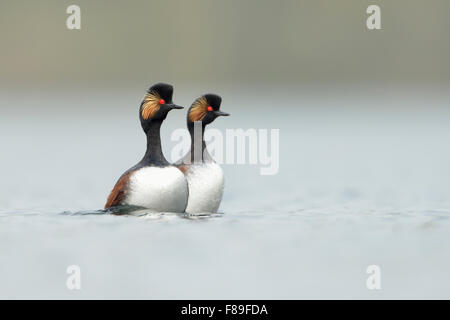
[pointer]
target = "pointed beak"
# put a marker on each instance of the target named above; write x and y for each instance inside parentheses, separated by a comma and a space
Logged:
(221, 113)
(174, 106)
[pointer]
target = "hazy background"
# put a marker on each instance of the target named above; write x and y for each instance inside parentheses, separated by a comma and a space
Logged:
(128, 44)
(364, 123)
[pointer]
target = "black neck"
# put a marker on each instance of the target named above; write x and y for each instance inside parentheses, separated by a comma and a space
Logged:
(154, 154)
(196, 142)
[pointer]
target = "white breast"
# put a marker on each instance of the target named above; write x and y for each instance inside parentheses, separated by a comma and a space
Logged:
(160, 189)
(205, 187)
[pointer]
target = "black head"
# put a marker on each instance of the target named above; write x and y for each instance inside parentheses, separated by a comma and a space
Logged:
(205, 109)
(156, 104)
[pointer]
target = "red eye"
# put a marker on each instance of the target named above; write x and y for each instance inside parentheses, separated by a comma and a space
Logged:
(162, 101)
(210, 108)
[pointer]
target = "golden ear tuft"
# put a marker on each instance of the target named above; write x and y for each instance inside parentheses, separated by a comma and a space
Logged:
(150, 105)
(198, 110)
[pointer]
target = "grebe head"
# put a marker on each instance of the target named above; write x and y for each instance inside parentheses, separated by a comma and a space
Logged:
(205, 109)
(156, 104)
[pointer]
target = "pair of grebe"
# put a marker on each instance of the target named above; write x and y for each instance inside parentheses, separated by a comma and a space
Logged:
(193, 184)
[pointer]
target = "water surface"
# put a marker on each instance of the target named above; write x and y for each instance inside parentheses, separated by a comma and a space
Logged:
(362, 181)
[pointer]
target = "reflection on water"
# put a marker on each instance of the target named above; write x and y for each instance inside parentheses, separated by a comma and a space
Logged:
(135, 211)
